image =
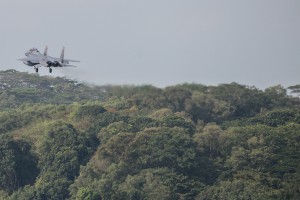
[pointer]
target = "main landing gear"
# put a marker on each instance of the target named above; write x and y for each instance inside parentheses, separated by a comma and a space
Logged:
(50, 70)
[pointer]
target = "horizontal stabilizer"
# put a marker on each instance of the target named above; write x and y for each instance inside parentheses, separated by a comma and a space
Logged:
(73, 60)
(23, 59)
(69, 66)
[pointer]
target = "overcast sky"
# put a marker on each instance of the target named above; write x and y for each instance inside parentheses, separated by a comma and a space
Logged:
(158, 42)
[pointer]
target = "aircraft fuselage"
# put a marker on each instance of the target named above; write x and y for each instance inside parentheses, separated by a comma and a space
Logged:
(36, 59)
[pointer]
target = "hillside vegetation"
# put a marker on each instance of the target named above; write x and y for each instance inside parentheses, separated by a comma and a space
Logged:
(60, 139)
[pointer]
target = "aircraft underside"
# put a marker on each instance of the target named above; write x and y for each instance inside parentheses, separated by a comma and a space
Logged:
(36, 68)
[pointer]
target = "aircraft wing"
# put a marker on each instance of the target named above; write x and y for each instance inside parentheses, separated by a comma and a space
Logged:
(43, 63)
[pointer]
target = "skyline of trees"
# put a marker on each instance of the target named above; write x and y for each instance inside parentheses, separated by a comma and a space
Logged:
(64, 140)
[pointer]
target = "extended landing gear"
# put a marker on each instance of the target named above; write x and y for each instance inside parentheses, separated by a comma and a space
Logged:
(50, 70)
(36, 69)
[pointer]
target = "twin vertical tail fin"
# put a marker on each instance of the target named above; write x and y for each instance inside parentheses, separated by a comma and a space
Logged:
(46, 51)
(62, 55)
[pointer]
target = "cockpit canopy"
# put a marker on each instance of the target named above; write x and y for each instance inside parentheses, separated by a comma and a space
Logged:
(32, 51)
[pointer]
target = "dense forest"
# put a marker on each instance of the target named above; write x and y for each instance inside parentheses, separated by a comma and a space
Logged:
(60, 139)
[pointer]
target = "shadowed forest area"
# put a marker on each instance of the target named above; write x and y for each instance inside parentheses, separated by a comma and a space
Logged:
(60, 139)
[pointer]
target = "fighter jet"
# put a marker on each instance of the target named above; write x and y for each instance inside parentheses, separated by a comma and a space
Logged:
(35, 59)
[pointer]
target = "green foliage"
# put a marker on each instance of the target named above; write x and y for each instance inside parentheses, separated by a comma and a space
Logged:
(8, 180)
(209, 140)
(175, 121)
(273, 118)
(87, 194)
(243, 101)
(148, 184)
(207, 108)
(89, 111)
(62, 150)
(7, 101)
(245, 185)
(162, 148)
(139, 123)
(20, 87)
(176, 97)
(295, 89)
(51, 186)
(60, 139)
(18, 166)
(25, 193)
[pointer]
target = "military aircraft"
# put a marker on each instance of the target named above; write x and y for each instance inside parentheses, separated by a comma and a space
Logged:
(36, 59)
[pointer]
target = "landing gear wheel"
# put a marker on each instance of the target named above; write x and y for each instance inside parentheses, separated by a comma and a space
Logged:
(36, 70)
(50, 70)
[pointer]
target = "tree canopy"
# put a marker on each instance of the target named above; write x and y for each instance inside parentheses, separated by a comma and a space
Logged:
(60, 139)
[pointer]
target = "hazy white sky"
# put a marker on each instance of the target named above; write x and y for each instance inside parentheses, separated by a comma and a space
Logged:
(159, 42)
